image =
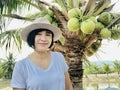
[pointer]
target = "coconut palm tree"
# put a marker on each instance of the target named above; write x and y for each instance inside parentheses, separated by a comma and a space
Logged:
(117, 66)
(84, 24)
(106, 68)
(8, 65)
(91, 69)
(95, 69)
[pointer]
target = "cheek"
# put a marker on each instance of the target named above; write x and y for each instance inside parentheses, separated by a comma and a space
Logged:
(51, 44)
(50, 39)
(36, 39)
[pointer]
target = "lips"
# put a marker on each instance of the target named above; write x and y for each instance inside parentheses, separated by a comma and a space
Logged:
(43, 43)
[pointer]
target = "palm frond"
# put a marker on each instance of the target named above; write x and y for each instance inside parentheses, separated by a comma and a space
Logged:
(9, 6)
(17, 39)
(76, 3)
(114, 22)
(9, 38)
(62, 4)
(108, 9)
(15, 16)
(100, 6)
(69, 4)
(33, 15)
(88, 6)
(62, 19)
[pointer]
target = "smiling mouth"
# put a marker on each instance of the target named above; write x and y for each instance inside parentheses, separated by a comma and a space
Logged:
(42, 43)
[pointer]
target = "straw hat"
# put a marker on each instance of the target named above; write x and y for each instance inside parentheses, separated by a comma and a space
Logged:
(41, 23)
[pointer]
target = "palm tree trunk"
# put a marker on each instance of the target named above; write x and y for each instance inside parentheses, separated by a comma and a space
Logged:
(74, 57)
(76, 74)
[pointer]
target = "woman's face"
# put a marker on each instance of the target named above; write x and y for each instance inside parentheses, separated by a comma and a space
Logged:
(43, 40)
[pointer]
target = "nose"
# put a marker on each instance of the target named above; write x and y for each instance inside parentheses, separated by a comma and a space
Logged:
(43, 37)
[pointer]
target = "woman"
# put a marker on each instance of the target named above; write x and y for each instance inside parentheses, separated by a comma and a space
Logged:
(42, 69)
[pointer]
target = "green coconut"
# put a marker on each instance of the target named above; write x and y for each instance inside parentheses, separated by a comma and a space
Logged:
(87, 26)
(74, 13)
(105, 33)
(73, 24)
(105, 18)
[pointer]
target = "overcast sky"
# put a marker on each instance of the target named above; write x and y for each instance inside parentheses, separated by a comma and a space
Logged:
(110, 50)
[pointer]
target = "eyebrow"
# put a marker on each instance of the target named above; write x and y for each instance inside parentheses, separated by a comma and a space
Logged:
(48, 32)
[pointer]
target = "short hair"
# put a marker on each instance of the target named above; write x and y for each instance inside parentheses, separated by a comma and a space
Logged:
(32, 34)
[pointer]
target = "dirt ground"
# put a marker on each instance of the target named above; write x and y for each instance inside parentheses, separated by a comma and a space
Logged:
(101, 78)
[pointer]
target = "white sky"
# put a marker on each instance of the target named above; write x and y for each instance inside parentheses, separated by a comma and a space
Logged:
(108, 51)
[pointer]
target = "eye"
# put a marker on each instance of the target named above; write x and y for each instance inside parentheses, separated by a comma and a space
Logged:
(39, 34)
(48, 34)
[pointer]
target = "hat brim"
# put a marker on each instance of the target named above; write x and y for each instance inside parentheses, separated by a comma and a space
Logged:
(56, 31)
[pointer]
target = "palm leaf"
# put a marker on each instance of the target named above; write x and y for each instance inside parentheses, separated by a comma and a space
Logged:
(76, 3)
(7, 38)
(17, 39)
(100, 6)
(62, 19)
(108, 9)
(88, 6)
(62, 4)
(9, 6)
(17, 17)
(34, 15)
(70, 4)
(114, 22)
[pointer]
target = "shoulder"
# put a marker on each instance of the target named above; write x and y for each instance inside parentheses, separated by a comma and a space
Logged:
(21, 63)
(60, 61)
(57, 54)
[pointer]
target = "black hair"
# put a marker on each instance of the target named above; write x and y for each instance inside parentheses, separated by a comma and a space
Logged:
(32, 34)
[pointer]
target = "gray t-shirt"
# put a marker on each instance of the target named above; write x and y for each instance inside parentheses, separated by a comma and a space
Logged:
(31, 77)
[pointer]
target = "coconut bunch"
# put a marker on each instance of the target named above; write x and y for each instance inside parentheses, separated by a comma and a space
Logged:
(95, 18)
(75, 18)
(89, 23)
(48, 14)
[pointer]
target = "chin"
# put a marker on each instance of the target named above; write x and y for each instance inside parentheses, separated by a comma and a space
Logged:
(46, 49)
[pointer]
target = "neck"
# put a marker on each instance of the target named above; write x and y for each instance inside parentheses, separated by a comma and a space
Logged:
(40, 55)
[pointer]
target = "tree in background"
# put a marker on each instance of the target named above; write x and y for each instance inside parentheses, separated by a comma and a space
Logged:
(91, 68)
(106, 68)
(84, 24)
(1, 68)
(117, 67)
(95, 69)
(7, 66)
